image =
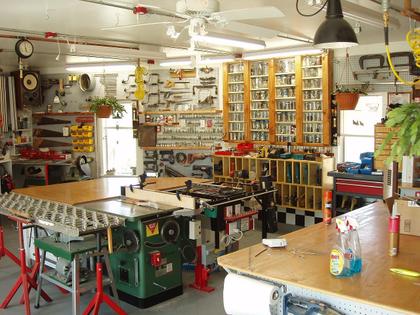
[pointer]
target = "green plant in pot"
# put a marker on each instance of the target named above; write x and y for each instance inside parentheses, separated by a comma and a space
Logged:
(347, 98)
(405, 124)
(105, 106)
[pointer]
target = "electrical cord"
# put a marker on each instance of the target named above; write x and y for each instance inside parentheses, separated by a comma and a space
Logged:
(413, 40)
(311, 14)
(229, 239)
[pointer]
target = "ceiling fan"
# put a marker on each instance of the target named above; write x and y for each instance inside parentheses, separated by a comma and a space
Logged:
(198, 15)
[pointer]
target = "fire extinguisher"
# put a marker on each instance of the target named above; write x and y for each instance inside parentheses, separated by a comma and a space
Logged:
(327, 210)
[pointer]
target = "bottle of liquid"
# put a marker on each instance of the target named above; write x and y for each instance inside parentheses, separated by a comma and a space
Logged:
(354, 246)
(341, 254)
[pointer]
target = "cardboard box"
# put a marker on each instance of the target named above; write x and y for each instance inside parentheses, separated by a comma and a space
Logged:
(410, 217)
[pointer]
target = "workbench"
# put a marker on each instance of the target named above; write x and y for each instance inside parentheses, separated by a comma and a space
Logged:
(99, 189)
(303, 267)
(355, 185)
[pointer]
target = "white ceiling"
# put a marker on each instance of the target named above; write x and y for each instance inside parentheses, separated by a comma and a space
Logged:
(77, 18)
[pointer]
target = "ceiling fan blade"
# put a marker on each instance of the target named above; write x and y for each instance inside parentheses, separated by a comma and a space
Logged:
(252, 30)
(248, 14)
(120, 27)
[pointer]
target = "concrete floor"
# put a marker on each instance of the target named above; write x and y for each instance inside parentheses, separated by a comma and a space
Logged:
(192, 302)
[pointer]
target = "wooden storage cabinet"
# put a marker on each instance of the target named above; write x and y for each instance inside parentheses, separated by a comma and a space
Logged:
(299, 182)
(260, 109)
(380, 134)
(285, 100)
(278, 101)
(235, 117)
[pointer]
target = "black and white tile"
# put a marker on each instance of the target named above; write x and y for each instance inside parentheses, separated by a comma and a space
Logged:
(298, 217)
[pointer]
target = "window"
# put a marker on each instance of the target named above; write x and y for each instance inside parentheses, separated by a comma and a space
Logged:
(357, 126)
(118, 145)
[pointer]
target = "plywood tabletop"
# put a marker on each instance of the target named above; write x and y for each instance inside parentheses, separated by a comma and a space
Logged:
(98, 189)
(305, 263)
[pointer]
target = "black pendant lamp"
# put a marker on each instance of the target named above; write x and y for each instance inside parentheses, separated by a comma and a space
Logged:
(335, 31)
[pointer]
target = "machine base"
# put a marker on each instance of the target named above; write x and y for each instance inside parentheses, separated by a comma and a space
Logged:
(152, 300)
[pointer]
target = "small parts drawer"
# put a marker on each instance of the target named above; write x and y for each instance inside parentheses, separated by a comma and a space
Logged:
(355, 186)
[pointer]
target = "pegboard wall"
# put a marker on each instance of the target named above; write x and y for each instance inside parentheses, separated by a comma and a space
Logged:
(363, 69)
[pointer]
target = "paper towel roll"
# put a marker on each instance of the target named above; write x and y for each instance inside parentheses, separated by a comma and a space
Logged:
(246, 296)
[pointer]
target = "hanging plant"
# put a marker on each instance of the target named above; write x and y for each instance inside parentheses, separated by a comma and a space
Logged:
(105, 106)
(345, 97)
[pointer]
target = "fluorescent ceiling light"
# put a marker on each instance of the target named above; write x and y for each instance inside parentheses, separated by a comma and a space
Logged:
(206, 60)
(231, 41)
(100, 67)
(267, 54)
(175, 62)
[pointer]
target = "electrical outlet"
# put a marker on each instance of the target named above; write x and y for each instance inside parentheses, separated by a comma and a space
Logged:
(195, 230)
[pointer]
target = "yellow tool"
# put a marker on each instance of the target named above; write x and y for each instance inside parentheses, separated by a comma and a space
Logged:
(109, 234)
(140, 92)
(405, 272)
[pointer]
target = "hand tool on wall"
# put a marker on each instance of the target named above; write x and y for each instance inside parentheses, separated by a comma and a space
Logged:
(150, 166)
(52, 121)
(167, 156)
(209, 87)
(192, 157)
(47, 133)
(206, 70)
(171, 172)
(204, 168)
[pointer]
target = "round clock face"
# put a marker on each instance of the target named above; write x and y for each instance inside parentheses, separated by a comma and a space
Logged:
(24, 48)
(30, 81)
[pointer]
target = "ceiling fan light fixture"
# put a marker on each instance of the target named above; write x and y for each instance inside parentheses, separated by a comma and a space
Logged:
(335, 31)
(230, 41)
(278, 53)
(176, 62)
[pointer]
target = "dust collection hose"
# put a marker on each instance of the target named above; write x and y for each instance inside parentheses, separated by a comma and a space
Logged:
(413, 40)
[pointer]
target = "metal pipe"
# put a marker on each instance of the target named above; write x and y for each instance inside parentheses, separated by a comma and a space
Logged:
(291, 37)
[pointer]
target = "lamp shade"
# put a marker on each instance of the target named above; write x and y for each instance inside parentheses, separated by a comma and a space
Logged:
(335, 31)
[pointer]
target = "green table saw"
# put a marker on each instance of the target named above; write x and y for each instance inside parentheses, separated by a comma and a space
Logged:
(146, 262)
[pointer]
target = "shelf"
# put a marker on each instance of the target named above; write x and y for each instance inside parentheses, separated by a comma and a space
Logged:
(213, 111)
(236, 82)
(259, 89)
(260, 109)
(312, 89)
(286, 122)
(259, 100)
(22, 143)
(285, 73)
(235, 102)
(259, 76)
(310, 78)
(285, 110)
(39, 114)
(241, 92)
(161, 124)
(235, 73)
(286, 98)
(286, 85)
(176, 148)
(309, 67)
(313, 111)
(313, 100)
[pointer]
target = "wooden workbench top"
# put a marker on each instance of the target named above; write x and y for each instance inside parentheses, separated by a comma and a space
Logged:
(98, 189)
(305, 263)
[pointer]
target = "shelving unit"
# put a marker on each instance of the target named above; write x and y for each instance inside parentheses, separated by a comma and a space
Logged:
(285, 85)
(234, 101)
(279, 101)
(260, 101)
(300, 183)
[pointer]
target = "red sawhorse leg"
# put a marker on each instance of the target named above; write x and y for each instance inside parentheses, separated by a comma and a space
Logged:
(101, 297)
(201, 274)
(24, 279)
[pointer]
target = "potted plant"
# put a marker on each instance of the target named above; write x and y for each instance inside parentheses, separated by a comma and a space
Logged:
(105, 106)
(405, 124)
(347, 98)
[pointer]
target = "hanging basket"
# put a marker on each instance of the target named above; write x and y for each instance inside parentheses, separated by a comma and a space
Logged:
(104, 111)
(347, 101)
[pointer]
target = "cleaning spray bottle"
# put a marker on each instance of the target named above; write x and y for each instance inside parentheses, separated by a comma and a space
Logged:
(354, 245)
(341, 255)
